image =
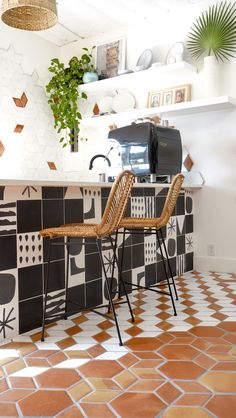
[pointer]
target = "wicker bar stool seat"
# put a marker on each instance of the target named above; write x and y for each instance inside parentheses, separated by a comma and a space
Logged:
(154, 226)
(114, 210)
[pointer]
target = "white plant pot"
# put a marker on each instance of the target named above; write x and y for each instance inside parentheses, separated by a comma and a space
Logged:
(211, 81)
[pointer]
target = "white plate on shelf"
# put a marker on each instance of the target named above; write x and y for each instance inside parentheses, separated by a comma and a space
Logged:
(105, 104)
(144, 60)
(122, 102)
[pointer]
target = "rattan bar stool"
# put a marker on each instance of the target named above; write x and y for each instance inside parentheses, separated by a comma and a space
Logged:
(154, 226)
(111, 219)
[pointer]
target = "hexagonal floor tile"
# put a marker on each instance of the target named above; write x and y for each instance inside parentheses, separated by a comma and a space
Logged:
(143, 344)
(138, 405)
(57, 378)
(101, 368)
(222, 406)
(178, 351)
(220, 381)
(182, 370)
(45, 403)
(207, 331)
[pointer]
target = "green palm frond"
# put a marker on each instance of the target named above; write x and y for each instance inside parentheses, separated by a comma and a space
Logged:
(214, 32)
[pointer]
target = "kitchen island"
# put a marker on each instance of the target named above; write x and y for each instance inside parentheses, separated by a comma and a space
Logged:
(28, 206)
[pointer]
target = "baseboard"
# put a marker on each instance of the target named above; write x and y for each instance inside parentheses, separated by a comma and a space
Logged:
(221, 265)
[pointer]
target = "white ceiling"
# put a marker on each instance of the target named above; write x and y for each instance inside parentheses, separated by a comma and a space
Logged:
(86, 18)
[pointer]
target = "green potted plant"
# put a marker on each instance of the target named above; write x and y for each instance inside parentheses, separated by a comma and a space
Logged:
(64, 93)
(214, 32)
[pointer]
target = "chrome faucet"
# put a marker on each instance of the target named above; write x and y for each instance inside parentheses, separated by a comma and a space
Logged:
(105, 158)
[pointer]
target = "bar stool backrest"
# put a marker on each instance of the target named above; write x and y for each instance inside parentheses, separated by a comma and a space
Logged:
(171, 199)
(116, 204)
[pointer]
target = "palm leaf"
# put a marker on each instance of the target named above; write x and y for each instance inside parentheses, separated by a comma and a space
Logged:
(214, 32)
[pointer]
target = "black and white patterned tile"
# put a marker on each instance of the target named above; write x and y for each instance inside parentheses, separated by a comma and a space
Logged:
(150, 249)
(9, 318)
(29, 249)
(7, 218)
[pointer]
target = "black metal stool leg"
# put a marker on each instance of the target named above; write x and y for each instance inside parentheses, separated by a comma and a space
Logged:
(122, 253)
(167, 278)
(46, 279)
(169, 266)
(112, 271)
(67, 273)
(108, 291)
(121, 280)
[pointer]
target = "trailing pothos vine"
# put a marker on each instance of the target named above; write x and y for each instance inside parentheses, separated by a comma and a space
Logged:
(64, 93)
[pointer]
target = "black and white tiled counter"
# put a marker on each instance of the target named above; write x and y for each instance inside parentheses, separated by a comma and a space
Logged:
(26, 209)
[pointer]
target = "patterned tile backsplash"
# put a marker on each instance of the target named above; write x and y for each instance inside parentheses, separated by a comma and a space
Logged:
(24, 211)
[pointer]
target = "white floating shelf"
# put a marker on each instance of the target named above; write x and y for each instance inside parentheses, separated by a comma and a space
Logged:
(126, 79)
(178, 109)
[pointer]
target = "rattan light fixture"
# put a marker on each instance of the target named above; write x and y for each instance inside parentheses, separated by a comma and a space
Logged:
(29, 15)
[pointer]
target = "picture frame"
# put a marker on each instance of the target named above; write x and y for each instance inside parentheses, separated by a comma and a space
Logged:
(172, 95)
(154, 99)
(110, 57)
(182, 93)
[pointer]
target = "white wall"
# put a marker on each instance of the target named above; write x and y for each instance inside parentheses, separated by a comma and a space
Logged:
(210, 138)
(24, 61)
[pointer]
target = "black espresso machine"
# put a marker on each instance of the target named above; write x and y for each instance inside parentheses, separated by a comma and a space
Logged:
(153, 152)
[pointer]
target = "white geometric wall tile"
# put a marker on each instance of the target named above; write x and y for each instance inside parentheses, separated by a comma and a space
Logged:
(30, 249)
(73, 192)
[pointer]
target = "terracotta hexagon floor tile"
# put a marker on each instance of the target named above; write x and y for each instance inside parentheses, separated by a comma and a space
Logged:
(143, 344)
(228, 326)
(57, 378)
(96, 350)
(101, 396)
(207, 331)
(147, 373)
(225, 365)
(193, 399)
(79, 391)
(144, 385)
(128, 360)
(191, 387)
(185, 370)
(175, 351)
(8, 410)
(13, 395)
(231, 338)
(188, 412)
(67, 342)
(204, 361)
(56, 358)
(73, 412)
(22, 382)
(3, 385)
(168, 392)
(148, 355)
(138, 405)
(125, 379)
(101, 337)
(222, 406)
(220, 381)
(101, 368)
(103, 383)
(45, 403)
(96, 410)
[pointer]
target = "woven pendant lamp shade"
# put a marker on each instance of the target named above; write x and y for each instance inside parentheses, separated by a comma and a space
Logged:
(29, 15)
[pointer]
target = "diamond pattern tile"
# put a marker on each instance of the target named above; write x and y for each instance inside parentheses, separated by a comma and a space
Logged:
(168, 367)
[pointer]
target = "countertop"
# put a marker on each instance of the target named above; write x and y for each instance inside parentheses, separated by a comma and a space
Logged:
(60, 183)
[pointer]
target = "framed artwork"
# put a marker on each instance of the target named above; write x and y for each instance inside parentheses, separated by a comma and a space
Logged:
(169, 96)
(110, 58)
(182, 93)
(154, 99)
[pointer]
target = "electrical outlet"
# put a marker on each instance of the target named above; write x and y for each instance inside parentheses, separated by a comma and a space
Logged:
(211, 250)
